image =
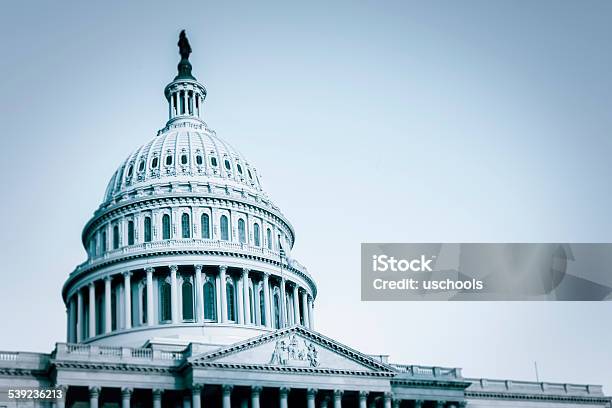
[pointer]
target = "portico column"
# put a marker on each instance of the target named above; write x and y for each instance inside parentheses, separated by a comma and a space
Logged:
(79, 333)
(94, 394)
(338, 398)
(310, 314)
(296, 304)
(283, 393)
(363, 399)
(157, 397)
(255, 393)
(266, 291)
(305, 308)
(222, 271)
(60, 401)
(283, 305)
(310, 397)
(108, 311)
(196, 392)
(245, 291)
(150, 308)
(199, 294)
(174, 293)
(127, 292)
(126, 395)
(387, 400)
(227, 395)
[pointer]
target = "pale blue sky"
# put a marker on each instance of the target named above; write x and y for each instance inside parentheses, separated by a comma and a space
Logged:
(369, 121)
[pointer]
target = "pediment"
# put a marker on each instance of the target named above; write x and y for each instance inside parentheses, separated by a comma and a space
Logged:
(292, 348)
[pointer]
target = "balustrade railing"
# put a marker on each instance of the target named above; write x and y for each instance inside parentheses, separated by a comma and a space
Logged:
(427, 371)
(69, 351)
(186, 244)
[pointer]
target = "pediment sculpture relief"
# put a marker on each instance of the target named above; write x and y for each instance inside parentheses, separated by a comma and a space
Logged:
(295, 352)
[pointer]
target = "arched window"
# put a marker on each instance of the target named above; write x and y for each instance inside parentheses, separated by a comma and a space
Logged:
(276, 304)
(115, 237)
(147, 229)
(205, 226)
(165, 306)
(130, 232)
(262, 305)
(154, 163)
(224, 228)
(213, 161)
(227, 165)
(185, 225)
(199, 160)
(210, 303)
(231, 300)
(166, 226)
(103, 241)
(241, 231)
(256, 236)
(169, 160)
(183, 159)
(187, 292)
(269, 238)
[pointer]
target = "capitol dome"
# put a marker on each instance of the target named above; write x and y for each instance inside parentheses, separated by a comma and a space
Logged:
(186, 246)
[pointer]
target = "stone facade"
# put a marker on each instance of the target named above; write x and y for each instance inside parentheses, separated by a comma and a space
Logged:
(190, 298)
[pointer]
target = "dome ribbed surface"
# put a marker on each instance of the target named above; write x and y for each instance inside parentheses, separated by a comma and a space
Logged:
(180, 155)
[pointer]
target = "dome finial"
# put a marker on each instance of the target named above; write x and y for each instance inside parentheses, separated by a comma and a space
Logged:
(184, 66)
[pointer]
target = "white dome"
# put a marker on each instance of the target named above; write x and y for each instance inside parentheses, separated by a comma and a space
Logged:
(183, 151)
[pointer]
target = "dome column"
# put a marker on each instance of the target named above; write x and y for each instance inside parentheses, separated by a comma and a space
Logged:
(310, 314)
(79, 331)
(305, 309)
(239, 301)
(174, 293)
(296, 304)
(127, 299)
(245, 292)
(266, 291)
(150, 308)
(108, 318)
(199, 294)
(92, 309)
(283, 305)
(222, 283)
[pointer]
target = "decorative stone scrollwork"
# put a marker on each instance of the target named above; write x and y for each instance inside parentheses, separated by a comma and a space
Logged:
(295, 352)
